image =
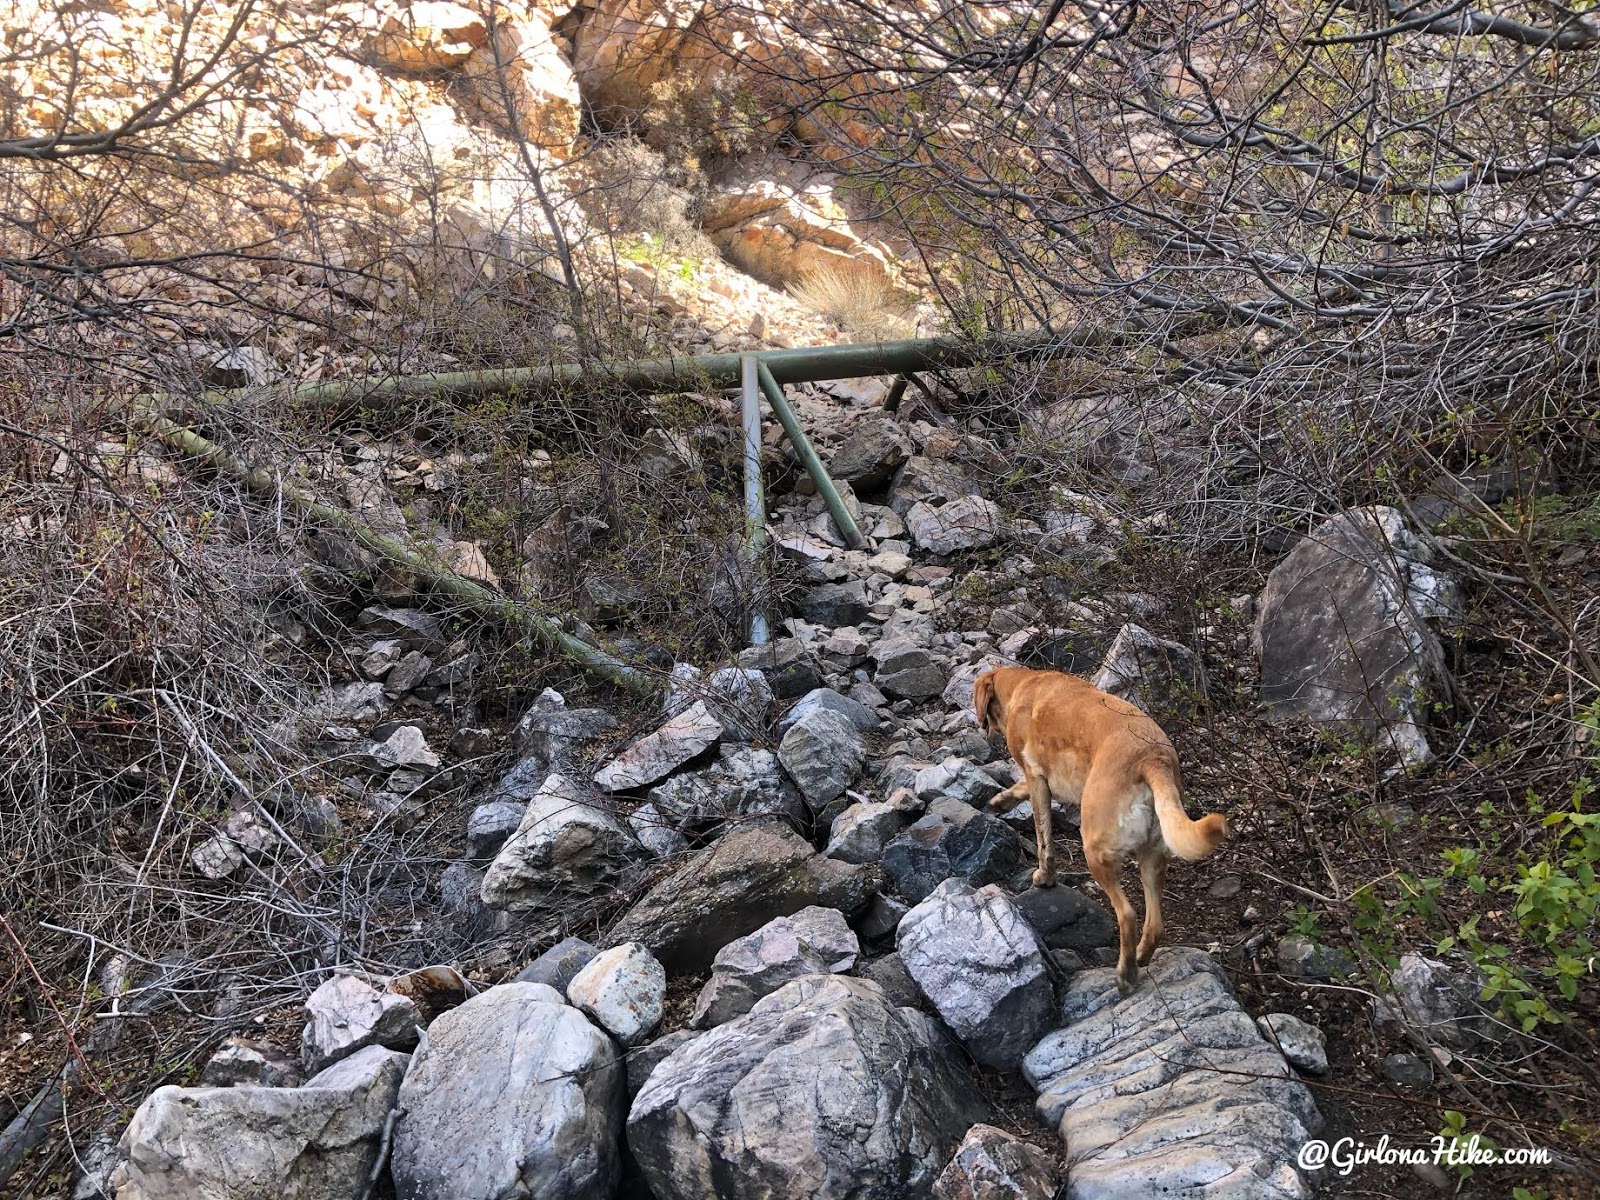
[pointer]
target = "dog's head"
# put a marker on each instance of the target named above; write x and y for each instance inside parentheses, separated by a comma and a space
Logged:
(986, 704)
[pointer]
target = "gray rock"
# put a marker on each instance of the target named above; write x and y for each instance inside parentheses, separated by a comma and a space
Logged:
(756, 872)
(836, 604)
(744, 782)
(382, 655)
(1171, 1091)
(991, 1164)
(858, 714)
(490, 825)
(906, 670)
(643, 1060)
(891, 975)
(346, 1014)
(861, 831)
(823, 753)
(258, 1064)
(408, 673)
(242, 838)
(1301, 958)
(956, 779)
(557, 966)
(1302, 1043)
(957, 692)
(952, 841)
(1066, 919)
(568, 844)
(514, 1094)
(965, 523)
(869, 457)
(981, 967)
(1343, 635)
(418, 630)
(740, 698)
(558, 736)
(657, 832)
(656, 755)
(787, 664)
(461, 888)
(314, 1142)
(823, 1090)
(1437, 1000)
(351, 704)
(1408, 1070)
(882, 917)
(815, 941)
(622, 990)
(1151, 672)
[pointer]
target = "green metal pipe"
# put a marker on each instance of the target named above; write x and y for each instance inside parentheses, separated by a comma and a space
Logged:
(700, 372)
(808, 456)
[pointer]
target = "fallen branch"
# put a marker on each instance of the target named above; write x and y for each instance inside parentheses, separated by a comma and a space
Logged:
(517, 614)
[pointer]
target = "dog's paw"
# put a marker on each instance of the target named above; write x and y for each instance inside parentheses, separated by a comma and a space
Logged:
(1128, 984)
(1043, 878)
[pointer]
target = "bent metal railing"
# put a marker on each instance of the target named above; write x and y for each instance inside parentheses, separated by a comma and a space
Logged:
(756, 374)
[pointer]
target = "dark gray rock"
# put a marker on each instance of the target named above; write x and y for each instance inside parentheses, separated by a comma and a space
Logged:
(860, 833)
(513, 1094)
(882, 918)
(891, 975)
(490, 825)
(1066, 919)
(1343, 635)
(753, 874)
(743, 782)
(906, 670)
(981, 967)
(643, 1060)
(952, 841)
(823, 1090)
(557, 966)
(787, 664)
(418, 630)
(558, 736)
(956, 779)
(255, 1064)
(870, 456)
(741, 699)
(836, 604)
(1408, 1070)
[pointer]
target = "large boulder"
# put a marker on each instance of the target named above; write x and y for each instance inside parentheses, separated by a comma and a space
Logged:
(980, 965)
(1171, 1091)
(514, 1094)
(569, 843)
(1343, 634)
(815, 941)
(313, 1142)
(823, 753)
(521, 80)
(823, 1090)
(952, 841)
(753, 874)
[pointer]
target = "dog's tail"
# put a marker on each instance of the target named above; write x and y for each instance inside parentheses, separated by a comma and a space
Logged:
(1190, 840)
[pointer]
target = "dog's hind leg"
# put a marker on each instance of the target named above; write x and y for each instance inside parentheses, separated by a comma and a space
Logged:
(1153, 871)
(1106, 872)
(1010, 798)
(1044, 874)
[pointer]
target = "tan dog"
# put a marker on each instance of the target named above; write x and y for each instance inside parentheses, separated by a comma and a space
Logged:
(1085, 748)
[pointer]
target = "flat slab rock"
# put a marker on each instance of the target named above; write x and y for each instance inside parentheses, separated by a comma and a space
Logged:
(1172, 1091)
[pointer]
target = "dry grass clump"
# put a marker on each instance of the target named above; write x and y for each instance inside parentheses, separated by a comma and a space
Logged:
(859, 299)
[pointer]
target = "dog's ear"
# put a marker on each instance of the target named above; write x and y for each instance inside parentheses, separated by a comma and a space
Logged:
(982, 698)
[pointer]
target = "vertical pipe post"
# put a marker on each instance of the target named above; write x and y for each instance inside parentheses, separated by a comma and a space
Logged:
(755, 507)
(819, 474)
